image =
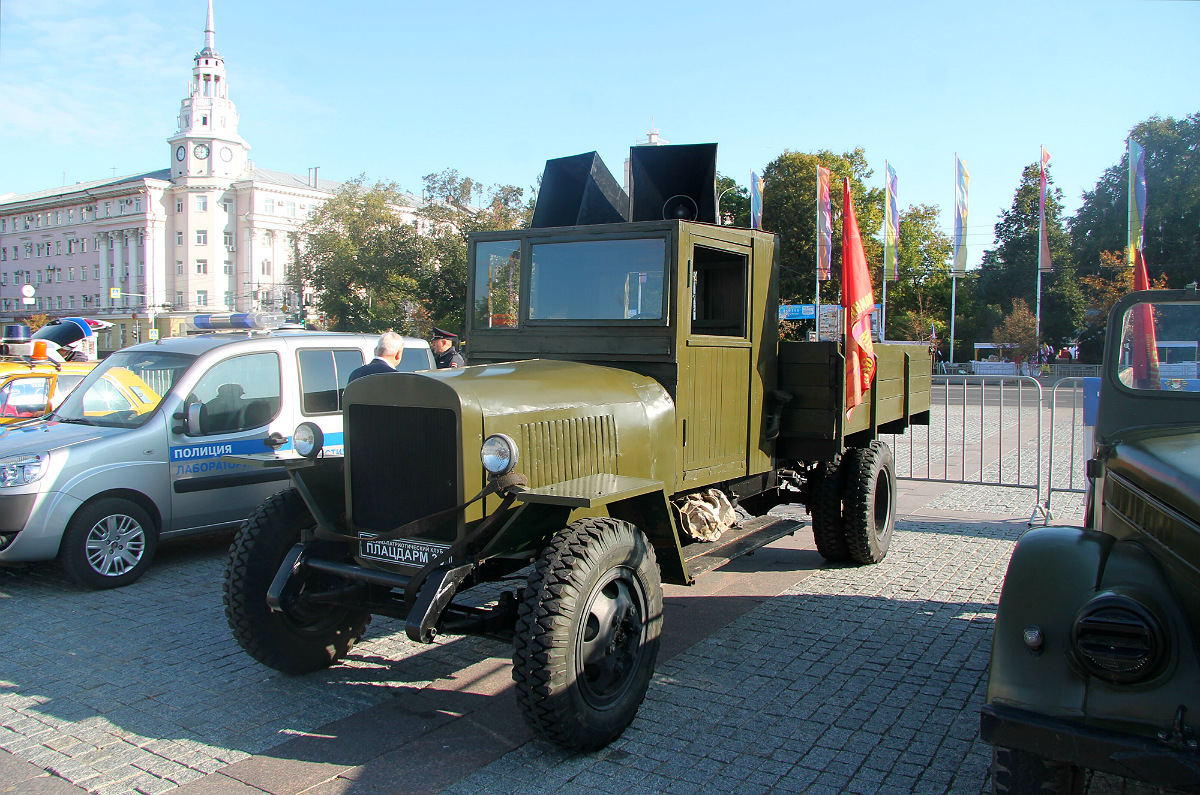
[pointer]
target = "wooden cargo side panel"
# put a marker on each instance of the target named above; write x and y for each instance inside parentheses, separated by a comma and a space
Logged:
(811, 372)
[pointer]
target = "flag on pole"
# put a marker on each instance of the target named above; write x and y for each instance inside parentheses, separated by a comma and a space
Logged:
(961, 179)
(1137, 200)
(1145, 339)
(824, 226)
(891, 225)
(858, 301)
(756, 188)
(1044, 264)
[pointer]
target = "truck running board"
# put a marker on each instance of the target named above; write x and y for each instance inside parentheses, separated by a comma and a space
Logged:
(754, 533)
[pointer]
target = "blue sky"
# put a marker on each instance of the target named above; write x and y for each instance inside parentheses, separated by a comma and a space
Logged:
(398, 90)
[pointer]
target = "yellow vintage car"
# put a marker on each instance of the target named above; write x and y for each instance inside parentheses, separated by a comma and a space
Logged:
(30, 389)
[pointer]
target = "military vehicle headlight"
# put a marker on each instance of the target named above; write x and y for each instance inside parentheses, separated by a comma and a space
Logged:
(1119, 640)
(308, 439)
(499, 454)
(19, 470)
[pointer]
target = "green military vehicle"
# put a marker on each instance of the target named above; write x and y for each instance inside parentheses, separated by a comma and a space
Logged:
(620, 367)
(1095, 663)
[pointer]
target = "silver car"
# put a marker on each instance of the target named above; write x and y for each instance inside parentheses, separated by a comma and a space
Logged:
(134, 454)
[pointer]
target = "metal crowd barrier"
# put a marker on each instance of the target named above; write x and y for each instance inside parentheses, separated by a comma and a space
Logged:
(1078, 449)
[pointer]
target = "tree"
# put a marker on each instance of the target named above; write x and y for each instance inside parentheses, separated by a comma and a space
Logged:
(919, 298)
(734, 204)
(1017, 332)
(1009, 271)
(1172, 226)
(790, 207)
(357, 252)
(1101, 291)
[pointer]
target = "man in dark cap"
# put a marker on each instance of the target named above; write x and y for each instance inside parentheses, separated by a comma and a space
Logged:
(443, 349)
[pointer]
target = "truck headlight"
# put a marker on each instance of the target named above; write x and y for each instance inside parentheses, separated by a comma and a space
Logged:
(499, 454)
(1119, 640)
(308, 439)
(19, 470)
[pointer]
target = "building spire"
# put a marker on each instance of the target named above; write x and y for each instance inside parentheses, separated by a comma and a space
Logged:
(210, 35)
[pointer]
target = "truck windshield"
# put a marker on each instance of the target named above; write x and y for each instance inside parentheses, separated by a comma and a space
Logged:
(125, 389)
(597, 280)
(1159, 344)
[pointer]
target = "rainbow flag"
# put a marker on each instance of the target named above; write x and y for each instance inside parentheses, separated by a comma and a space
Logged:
(1137, 199)
(891, 225)
(961, 179)
(824, 226)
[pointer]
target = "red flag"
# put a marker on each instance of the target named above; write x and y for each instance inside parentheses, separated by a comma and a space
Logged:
(858, 301)
(1145, 340)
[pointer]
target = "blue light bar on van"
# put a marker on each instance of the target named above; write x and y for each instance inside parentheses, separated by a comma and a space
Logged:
(236, 321)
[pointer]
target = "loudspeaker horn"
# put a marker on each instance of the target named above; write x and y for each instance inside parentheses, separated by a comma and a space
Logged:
(579, 190)
(680, 208)
(661, 176)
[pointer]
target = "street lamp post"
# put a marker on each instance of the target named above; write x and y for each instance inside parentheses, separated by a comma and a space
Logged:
(720, 219)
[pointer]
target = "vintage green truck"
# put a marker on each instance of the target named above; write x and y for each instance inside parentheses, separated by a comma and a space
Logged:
(617, 367)
(1095, 661)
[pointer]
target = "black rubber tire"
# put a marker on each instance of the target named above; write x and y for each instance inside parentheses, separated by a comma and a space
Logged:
(596, 585)
(870, 500)
(1023, 773)
(108, 543)
(828, 526)
(292, 643)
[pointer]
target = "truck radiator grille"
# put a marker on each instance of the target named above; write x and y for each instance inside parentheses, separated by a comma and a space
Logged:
(568, 448)
(403, 465)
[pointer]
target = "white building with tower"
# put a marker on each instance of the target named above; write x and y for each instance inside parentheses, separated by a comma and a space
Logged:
(210, 233)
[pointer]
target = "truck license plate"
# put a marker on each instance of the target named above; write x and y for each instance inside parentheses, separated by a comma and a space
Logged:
(406, 551)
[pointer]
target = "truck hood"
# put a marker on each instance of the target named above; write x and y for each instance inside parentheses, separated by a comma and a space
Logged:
(1163, 463)
(50, 435)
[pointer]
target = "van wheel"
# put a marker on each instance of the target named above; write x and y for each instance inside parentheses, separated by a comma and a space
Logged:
(1017, 772)
(870, 502)
(108, 543)
(303, 637)
(587, 632)
(829, 529)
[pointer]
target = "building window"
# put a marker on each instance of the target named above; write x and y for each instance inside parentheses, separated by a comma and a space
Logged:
(201, 266)
(291, 209)
(266, 267)
(202, 298)
(83, 245)
(96, 272)
(179, 205)
(137, 205)
(179, 238)
(227, 205)
(228, 268)
(229, 240)
(70, 274)
(71, 216)
(107, 209)
(201, 237)
(178, 298)
(71, 302)
(269, 206)
(228, 300)
(178, 267)
(202, 203)
(57, 246)
(58, 302)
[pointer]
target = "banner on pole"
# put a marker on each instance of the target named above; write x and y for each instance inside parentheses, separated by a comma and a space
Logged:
(961, 180)
(824, 226)
(1044, 264)
(756, 188)
(858, 300)
(891, 225)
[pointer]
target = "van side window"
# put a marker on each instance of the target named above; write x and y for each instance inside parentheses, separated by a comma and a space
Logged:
(323, 378)
(239, 393)
(413, 359)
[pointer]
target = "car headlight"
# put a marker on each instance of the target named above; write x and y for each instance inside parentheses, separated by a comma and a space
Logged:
(308, 439)
(1119, 640)
(499, 454)
(19, 470)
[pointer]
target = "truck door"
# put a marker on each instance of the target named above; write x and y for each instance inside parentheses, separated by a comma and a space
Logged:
(240, 403)
(715, 359)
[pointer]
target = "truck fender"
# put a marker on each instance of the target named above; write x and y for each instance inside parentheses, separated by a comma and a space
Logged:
(1052, 573)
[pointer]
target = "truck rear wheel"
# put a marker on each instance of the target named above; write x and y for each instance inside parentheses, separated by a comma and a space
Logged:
(870, 499)
(829, 530)
(303, 637)
(587, 632)
(1017, 772)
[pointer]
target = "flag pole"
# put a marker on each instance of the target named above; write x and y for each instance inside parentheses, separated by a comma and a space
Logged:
(817, 271)
(887, 198)
(1037, 329)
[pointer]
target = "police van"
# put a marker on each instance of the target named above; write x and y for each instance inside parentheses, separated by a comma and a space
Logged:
(133, 455)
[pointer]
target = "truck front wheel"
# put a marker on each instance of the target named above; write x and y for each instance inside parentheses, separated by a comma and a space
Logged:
(870, 500)
(303, 637)
(587, 632)
(1018, 772)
